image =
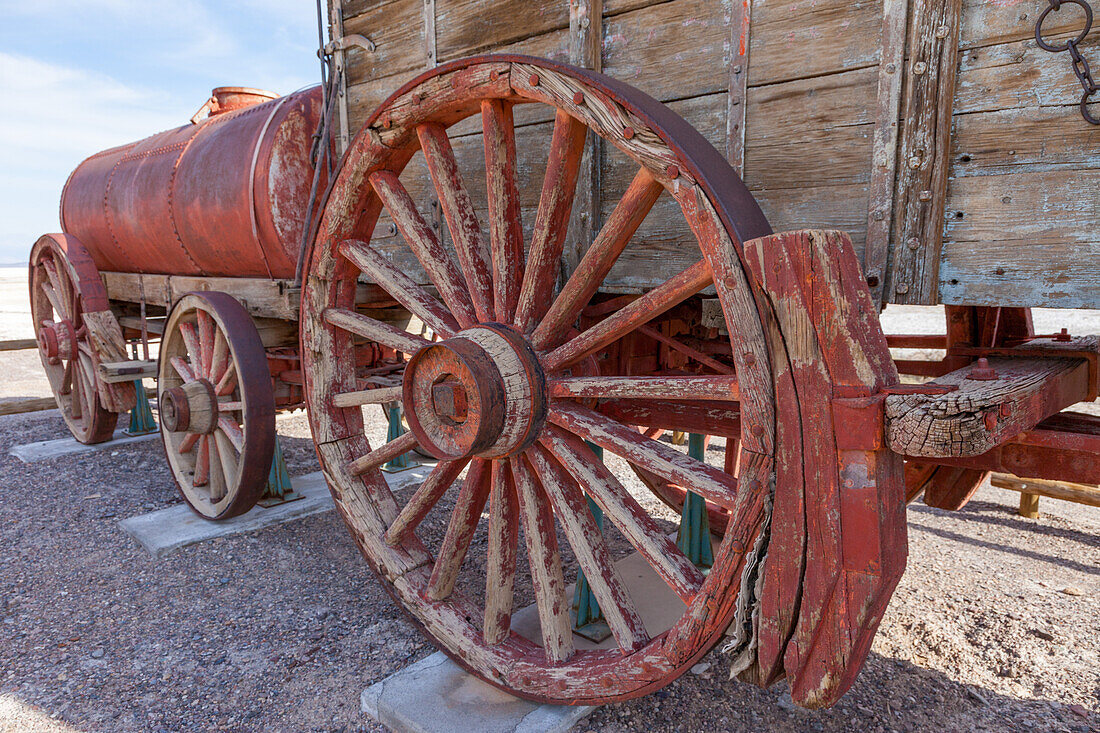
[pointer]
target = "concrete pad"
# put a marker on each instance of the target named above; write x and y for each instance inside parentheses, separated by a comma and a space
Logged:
(46, 449)
(435, 694)
(165, 530)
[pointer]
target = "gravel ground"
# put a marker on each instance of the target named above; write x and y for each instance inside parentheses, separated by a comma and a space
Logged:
(994, 626)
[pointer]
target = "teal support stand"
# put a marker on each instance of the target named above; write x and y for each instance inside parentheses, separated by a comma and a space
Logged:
(694, 536)
(404, 461)
(588, 620)
(141, 417)
(279, 490)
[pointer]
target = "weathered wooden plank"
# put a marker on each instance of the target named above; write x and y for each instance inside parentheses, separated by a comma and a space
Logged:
(1024, 239)
(925, 151)
(397, 29)
(1020, 141)
(884, 154)
(466, 28)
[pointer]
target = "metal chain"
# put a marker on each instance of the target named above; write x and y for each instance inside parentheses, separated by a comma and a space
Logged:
(1081, 67)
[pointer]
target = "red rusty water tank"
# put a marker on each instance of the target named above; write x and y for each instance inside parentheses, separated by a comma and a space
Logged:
(225, 195)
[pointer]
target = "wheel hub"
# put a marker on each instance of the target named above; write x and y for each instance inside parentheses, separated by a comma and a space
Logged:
(481, 392)
(57, 340)
(192, 407)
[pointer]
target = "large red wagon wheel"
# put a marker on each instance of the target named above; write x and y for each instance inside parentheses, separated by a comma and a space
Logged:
(65, 287)
(507, 393)
(217, 408)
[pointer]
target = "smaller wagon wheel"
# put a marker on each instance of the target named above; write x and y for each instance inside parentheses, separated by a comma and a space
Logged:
(217, 407)
(65, 285)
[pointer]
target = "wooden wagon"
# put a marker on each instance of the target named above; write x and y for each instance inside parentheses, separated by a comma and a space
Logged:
(542, 263)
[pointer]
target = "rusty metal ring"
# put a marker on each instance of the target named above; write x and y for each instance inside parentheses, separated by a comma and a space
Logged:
(1057, 5)
(1089, 117)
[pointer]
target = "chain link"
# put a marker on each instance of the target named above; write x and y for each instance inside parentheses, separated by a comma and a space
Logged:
(1080, 64)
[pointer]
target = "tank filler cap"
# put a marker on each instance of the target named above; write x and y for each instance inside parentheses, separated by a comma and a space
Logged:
(229, 99)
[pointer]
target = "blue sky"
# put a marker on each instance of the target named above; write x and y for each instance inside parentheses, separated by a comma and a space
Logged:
(77, 76)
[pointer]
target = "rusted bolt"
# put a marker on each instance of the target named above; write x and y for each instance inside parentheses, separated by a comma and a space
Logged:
(534, 80)
(913, 243)
(673, 171)
(925, 195)
(902, 288)
(914, 162)
(737, 69)
(891, 68)
(880, 215)
(919, 68)
(981, 371)
(1063, 335)
(941, 32)
(757, 430)
(628, 132)
(750, 359)
(578, 97)
(387, 123)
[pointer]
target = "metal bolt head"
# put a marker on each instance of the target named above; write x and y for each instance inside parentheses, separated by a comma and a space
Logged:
(925, 195)
(941, 32)
(533, 80)
(981, 371)
(879, 215)
(913, 243)
(628, 132)
(673, 171)
(919, 68)
(914, 162)
(891, 68)
(737, 69)
(578, 97)
(901, 288)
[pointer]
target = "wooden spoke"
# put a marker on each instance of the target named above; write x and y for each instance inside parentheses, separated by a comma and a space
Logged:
(710, 482)
(182, 368)
(552, 221)
(232, 432)
(187, 444)
(588, 545)
(191, 343)
(631, 316)
(377, 331)
(76, 408)
(202, 462)
(206, 342)
(377, 457)
(598, 260)
(423, 242)
(400, 286)
(227, 456)
(367, 397)
(218, 480)
(228, 382)
(500, 568)
(546, 573)
(722, 388)
(505, 224)
(231, 406)
(683, 348)
(633, 521)
(425, 497)
(67, 378)
(467, 512)
(707, 418)
(220, 359)
(55, 301)
(458, 210)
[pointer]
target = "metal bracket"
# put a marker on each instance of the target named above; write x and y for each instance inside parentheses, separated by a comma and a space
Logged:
(355, 39)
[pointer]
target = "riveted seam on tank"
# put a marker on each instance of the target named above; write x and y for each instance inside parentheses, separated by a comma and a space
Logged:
(155, 151)
(171, 209)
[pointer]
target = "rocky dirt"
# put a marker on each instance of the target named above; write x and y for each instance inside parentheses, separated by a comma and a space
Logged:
(995, 625)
